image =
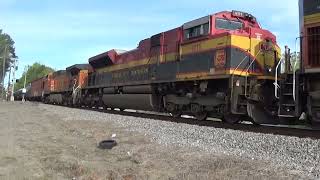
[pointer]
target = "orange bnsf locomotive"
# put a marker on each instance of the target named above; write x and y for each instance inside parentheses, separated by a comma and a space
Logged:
(222, 65)
(59, 87)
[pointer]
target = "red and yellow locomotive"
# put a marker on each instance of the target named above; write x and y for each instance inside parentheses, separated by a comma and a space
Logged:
(207, 67)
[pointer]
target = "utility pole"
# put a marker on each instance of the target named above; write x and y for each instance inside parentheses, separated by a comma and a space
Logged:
(4, 71)
(13, 78)
(9, 83)
(25, 76)
(24, 91)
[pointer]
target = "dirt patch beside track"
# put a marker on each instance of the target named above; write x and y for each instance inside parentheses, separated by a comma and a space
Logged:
(38, 145)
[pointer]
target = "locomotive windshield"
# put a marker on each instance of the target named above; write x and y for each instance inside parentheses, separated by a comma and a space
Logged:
(228, 24)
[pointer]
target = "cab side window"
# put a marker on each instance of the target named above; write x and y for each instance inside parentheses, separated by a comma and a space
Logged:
(196, 31)
(197, 28)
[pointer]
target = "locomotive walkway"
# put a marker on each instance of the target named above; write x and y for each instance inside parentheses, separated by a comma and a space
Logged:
(40, 141)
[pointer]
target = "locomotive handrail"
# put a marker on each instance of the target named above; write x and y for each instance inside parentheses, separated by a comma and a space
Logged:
(74, 85)
(75, 89)
(276, 85)
(246, 81)
(239, 65)
(294, 72)
(294, 81)
(232, 77)
(75, 92)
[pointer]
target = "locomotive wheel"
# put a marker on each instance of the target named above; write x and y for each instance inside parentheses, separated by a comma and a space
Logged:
(201, 116)
(231, 118)
(259, 115)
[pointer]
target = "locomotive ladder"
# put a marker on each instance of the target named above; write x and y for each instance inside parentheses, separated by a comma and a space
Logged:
(75, 92)
(288, 90)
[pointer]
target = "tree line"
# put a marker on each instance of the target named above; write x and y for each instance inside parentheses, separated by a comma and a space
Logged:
(8, 55)
(34, 72)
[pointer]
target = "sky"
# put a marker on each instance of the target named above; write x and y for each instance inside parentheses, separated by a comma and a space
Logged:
(60, 33)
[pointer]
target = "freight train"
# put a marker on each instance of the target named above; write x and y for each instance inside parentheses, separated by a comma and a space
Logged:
(208, 67)
(223, 65)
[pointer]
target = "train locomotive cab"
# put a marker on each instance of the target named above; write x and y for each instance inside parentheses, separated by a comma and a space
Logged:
(242, 58)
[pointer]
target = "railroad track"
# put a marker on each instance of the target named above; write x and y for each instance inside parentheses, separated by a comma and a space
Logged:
(294, 131)
(299, 131)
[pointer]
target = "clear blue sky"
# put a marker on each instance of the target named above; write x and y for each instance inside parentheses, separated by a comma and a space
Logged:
(60, 33)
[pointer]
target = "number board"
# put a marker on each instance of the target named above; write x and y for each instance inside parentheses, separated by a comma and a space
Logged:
(220, 59)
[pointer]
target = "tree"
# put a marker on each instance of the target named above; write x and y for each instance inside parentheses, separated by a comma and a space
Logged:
(294, 62)
(7, 50)
(34, 72)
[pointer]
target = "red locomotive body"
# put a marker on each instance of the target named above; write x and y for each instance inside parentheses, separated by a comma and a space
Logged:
(186, 69)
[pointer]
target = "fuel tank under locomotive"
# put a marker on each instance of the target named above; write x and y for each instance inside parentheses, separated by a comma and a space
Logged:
(147, 97)
(131, 97)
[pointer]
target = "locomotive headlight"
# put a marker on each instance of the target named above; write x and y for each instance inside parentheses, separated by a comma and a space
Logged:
(268, 69)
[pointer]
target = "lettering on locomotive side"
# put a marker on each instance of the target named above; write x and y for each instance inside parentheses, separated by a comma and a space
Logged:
(136, 73)
(120, 75)
(139, 72)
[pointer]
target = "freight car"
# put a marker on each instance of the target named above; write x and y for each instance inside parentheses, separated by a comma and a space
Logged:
(222, 65)
(18, 95)
(299, 90)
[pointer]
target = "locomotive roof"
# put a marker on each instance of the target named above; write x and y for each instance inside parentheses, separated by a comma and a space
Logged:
(59, 72)
(106, 58)
(106, 54)
(40, 78)
(116, 56)
(78, 67)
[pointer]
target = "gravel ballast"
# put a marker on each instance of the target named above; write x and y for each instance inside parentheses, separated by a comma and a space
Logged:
(300, 155)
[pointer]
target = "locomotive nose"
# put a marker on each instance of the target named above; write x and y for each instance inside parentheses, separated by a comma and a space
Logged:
(270, 55)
